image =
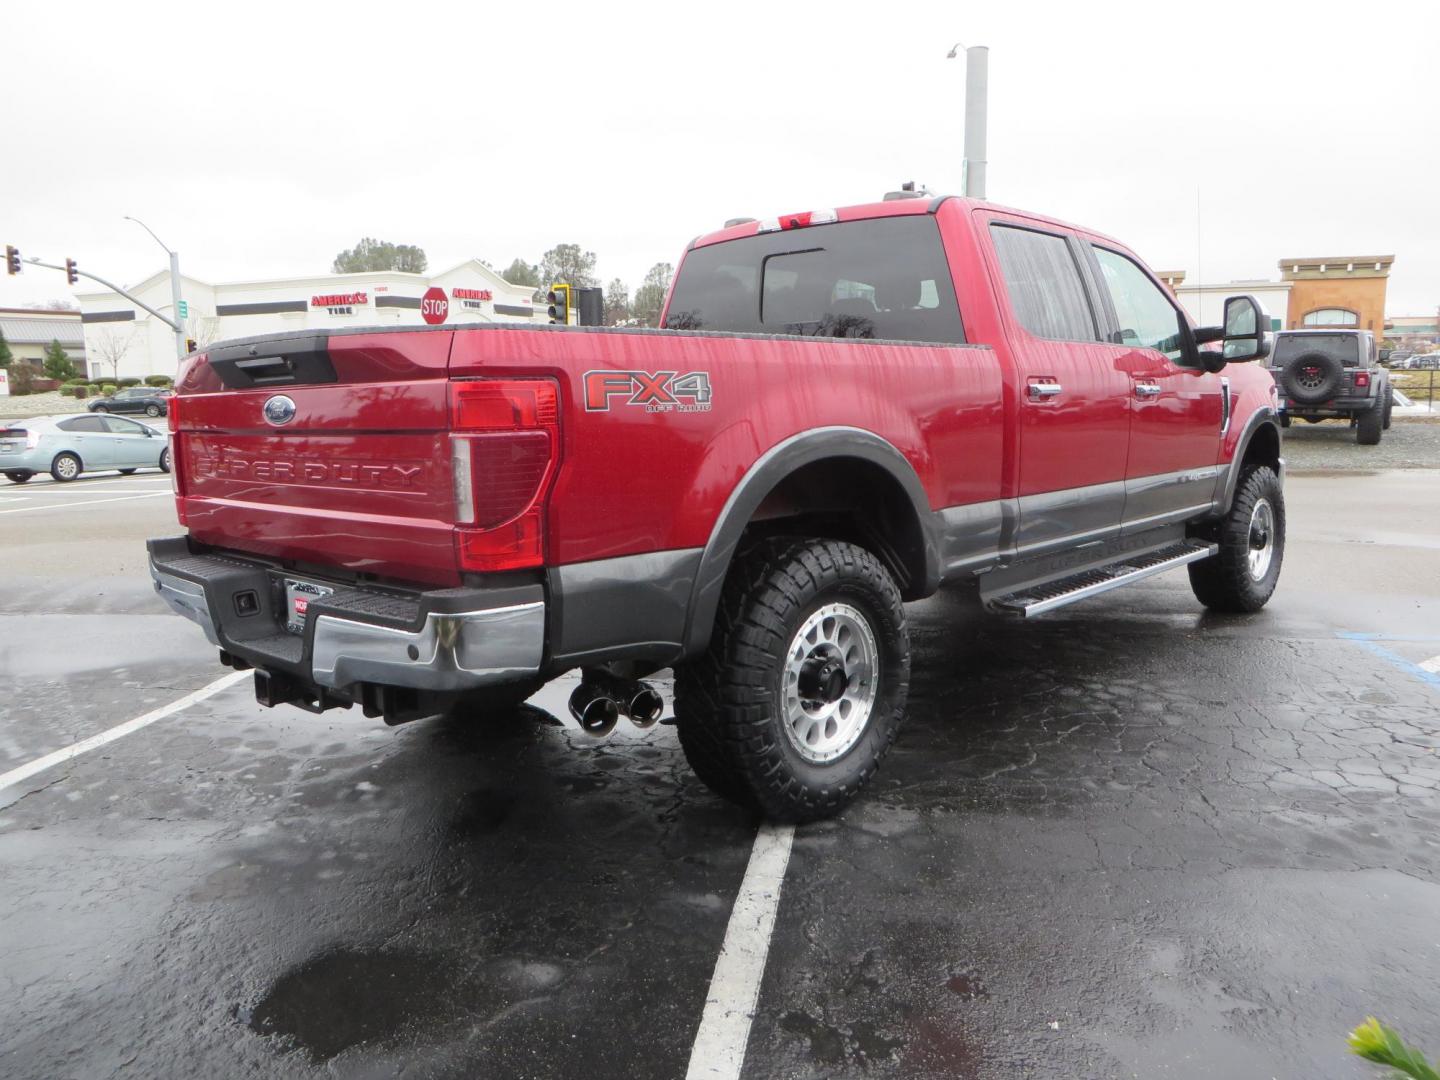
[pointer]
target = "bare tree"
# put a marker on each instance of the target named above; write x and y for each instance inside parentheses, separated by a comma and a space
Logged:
(111, 346)
(204, 329)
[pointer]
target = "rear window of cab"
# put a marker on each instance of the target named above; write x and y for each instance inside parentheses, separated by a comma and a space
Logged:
(881, 278)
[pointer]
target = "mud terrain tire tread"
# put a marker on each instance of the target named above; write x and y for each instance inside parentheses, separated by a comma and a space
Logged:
(727, 701)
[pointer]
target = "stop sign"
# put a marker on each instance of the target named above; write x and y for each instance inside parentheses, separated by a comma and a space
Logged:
(434, 305)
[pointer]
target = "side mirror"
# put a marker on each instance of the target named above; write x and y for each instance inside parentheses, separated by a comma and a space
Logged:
(1246, 334)
(1384, 356)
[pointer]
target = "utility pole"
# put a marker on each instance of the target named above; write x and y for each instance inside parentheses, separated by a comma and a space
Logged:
(977, 95)
(175, 300)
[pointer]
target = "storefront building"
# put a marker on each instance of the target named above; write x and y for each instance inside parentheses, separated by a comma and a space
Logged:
(29, 332)
(1347, 291)
(123, 340)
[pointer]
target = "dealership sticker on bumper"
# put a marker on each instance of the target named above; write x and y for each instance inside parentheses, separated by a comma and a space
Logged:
(298, 595)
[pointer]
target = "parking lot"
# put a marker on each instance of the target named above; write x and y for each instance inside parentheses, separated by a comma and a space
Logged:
(1127, 839)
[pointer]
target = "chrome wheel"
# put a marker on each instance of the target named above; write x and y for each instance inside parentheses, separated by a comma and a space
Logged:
(832, 670)
(67, 468)
(1262, 539)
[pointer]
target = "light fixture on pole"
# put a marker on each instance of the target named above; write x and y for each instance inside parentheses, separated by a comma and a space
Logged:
(179, 325)
(977, 73)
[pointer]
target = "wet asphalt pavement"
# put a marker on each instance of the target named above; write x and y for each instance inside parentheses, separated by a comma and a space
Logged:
(1127, 839)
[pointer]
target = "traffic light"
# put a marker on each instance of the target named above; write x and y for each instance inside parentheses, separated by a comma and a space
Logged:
(590, 306)
(559, 300)
(12, 259)
(70, 274)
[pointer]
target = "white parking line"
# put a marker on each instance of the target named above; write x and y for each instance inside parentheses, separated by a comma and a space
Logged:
(74, 750)
(719, 1049)
(88, 502)
(56, 489)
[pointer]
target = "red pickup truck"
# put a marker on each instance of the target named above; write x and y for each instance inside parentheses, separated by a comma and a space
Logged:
(844, 411)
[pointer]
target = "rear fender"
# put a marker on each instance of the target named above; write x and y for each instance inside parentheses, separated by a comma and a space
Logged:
(764, 476)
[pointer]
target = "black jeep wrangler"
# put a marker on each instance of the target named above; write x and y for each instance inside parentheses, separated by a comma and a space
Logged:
(1330, 374)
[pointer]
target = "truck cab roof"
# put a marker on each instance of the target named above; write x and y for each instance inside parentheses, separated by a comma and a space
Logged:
(878, 209)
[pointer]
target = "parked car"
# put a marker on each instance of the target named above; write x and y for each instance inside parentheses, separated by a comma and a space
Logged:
(847, 409)
(1333, 374)
(1428, 362)
(149, 400)
(66, 446)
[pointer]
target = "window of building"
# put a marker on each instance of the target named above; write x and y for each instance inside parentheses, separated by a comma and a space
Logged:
(1332, 317)
(1148, 320)
(1044, 284)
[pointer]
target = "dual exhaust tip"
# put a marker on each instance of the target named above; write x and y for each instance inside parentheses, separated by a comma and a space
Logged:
(600, 699)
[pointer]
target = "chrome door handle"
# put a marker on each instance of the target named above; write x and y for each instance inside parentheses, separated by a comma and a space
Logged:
(1146, 391)
(1044, 391)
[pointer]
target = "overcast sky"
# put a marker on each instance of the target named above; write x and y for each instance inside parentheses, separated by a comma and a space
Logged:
(260, 139)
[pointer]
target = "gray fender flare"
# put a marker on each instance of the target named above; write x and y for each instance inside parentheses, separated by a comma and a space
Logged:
(1262, 417)
(762, 477)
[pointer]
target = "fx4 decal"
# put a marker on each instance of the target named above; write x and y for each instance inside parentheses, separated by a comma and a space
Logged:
(661, 391)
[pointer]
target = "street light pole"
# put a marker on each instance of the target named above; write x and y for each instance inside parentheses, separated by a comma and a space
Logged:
(178, 324)
(977, 100)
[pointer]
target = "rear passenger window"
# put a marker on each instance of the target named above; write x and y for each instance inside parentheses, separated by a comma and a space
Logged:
(83, 423)
(1044, 284)
(1148, 320)
(877, 278)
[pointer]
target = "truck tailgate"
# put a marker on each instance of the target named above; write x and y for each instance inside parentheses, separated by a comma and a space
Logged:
(357, 477)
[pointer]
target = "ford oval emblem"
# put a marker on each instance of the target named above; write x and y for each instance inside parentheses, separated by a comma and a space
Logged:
(279, 410)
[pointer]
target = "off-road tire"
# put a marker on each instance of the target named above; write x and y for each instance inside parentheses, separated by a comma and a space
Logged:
(1370, 423)
(18, 477)
(1304, 389)
(1224, 582)
(729, 707)
(1389, 407)
(62, 469)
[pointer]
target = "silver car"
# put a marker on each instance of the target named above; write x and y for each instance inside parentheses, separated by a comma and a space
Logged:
(66, 446)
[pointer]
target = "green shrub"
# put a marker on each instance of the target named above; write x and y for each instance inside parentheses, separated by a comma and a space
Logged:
(159, 380)
(75, 381)
(108, 389)
(66, 390)
(128, 381)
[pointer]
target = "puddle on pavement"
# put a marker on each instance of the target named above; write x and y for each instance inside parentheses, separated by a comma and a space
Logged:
(966, 986)
(346, 998)
(343, 998)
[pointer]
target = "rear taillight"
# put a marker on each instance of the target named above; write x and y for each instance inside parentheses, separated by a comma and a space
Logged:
(1362, 379)
(504, 447)
(32, 440)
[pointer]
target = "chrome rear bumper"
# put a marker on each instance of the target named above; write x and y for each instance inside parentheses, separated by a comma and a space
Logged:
(443, 651)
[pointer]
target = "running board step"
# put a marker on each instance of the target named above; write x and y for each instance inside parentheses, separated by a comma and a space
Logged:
(1043, 598)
